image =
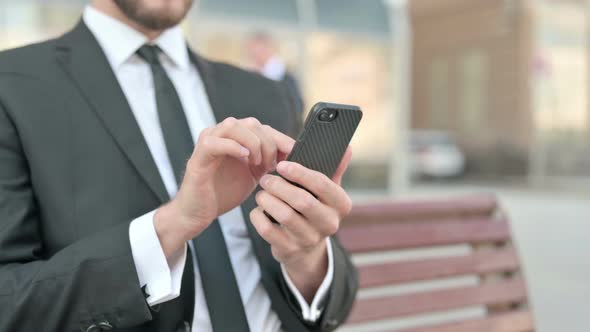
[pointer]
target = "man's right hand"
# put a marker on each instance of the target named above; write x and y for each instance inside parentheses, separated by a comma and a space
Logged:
(227, 162)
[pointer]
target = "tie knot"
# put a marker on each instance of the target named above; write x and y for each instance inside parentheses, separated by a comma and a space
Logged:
(149, 53)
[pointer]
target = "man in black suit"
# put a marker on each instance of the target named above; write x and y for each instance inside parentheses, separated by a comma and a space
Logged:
(261, 50)
(105, 225)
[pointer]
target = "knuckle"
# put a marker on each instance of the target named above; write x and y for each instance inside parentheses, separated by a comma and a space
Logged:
(305, 203)
(332, 226)
(206, 142)
(257, 142)
(288, 216)
(259, 197)
(347, 206)
(204, 133)
(252, 121)
(253, 214)
(325, 180)
(316, 239)
(324, 184)
(270, 182)
(298, 172)
(265, 229)
(230, 122)
(312, 240)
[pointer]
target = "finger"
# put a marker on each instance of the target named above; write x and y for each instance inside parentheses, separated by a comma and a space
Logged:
(284, 143)
(337, 178)
(326, 190)
(231, 128)
(270, 232)
(290, 219)
(209, 148)
(268, 146)
(320, 217)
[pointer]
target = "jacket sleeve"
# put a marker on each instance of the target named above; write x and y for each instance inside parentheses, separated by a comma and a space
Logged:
(339, 300)
(91, 281)
(343, 291)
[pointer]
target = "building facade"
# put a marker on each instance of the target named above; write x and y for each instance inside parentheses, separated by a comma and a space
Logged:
(471, 78)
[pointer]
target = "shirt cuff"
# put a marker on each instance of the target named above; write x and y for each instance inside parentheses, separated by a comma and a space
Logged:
(313, 312)
(161, 278)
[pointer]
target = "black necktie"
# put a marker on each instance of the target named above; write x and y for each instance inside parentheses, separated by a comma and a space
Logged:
(219, 283)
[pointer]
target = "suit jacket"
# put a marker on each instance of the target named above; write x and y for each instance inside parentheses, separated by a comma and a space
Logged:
(75, 170)
(293, 91)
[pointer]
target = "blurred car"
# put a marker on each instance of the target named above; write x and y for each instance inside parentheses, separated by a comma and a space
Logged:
(434, 154)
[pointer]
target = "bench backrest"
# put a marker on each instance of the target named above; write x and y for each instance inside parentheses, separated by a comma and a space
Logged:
(489, 257)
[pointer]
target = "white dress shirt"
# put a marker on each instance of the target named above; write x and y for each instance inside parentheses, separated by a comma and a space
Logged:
(162, 280)
(274, 69)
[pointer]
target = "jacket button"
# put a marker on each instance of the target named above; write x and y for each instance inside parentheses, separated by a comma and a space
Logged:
(105, 326)
(93, 328)
(332, 323)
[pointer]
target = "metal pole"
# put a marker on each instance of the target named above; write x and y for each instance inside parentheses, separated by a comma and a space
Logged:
(306, 10)
(536, 152)
(588, 68)
(399, 171)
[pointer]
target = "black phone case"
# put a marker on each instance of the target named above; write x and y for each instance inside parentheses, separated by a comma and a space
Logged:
(321, 145)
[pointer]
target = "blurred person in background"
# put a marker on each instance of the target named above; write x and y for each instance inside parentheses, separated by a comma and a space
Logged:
(104, 225)
(262, 53)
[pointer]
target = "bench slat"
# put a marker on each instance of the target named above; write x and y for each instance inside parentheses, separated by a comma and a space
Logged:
(439, 300)
(521, 321)
(479, 263)
(375, 237)
(461, 207)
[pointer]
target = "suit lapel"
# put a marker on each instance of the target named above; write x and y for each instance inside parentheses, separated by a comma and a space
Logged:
(85, 62)
(221, 106)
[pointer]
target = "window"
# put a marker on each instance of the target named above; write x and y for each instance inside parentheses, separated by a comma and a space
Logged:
(439, 94)
(473, 90)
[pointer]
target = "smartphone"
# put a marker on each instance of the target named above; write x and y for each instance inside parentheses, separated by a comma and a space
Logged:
(326, 134)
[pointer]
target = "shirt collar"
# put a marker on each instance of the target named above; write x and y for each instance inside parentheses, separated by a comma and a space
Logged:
(119, 41)
(274, 69)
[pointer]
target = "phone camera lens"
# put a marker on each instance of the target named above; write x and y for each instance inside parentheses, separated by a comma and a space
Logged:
(327, 115)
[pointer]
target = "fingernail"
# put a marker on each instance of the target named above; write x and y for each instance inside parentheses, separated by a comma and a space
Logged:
(244, 152)
(283, 167)
(264, 180)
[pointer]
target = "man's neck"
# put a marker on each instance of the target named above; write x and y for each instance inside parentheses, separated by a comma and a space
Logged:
(111, 9)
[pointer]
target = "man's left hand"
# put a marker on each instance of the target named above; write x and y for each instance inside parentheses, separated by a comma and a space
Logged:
(299, 240)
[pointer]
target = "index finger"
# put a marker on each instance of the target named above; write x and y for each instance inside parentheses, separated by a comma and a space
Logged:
(324, 188)
(284, 143)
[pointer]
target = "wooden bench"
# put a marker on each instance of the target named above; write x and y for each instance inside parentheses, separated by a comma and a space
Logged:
(473, 223)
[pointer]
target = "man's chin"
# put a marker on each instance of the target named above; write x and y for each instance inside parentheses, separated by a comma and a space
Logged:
(155, 15)
(159, 21)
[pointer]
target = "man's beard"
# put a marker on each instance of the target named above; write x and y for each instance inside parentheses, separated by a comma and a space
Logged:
(137, 11)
